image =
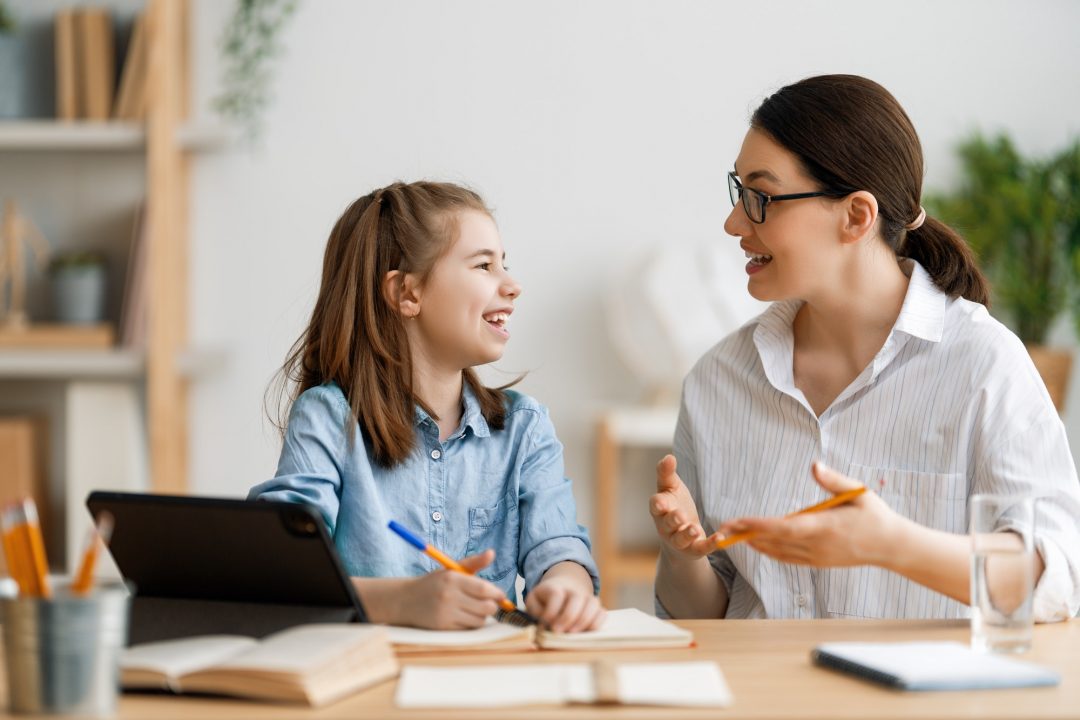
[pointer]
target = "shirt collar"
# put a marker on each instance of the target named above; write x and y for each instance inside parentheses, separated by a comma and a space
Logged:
(923, 312)
(472, 417)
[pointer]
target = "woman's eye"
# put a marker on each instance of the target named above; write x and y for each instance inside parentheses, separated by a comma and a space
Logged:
(484, 266)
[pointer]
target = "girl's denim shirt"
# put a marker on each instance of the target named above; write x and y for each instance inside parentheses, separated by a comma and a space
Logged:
(481, 488)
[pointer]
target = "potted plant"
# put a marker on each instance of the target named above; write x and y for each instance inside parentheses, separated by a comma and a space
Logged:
(78, 285)
(1022, 219)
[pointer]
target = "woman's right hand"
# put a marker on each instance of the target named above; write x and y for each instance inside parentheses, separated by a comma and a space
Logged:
(450, 600)
(676, 518)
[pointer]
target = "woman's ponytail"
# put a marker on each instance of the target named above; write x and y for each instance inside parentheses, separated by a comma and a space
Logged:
(948, 259)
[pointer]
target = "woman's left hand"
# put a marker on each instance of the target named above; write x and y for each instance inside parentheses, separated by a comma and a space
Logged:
(562, 604)
(855, 533)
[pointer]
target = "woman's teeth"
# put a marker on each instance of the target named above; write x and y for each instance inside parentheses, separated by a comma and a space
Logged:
(497, 318)
(758, 259)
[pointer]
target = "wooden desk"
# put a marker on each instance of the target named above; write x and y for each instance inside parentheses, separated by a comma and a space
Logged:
(766, 663)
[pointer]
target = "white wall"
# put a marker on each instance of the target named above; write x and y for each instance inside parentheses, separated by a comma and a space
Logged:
(595, 129)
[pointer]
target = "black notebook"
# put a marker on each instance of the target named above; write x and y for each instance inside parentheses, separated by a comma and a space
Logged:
(931, 666)
(203, 566)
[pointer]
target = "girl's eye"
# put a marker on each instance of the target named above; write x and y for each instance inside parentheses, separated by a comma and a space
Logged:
(484, 266)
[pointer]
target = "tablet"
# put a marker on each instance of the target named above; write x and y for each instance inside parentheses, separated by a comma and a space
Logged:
(209, 565)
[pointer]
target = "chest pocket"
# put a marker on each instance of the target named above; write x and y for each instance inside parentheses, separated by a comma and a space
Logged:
(496, 527)
(933, 500)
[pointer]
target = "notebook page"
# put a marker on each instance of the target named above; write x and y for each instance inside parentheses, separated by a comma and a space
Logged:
(941, 665)
(479, 686)
(174, 658)
(693, 684)
(490, 632)
(622, 626)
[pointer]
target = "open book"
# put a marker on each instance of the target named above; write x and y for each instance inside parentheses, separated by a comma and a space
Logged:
(687, 684)
(312, 664)
(622, 629)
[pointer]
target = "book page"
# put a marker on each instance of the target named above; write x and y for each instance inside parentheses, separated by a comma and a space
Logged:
(173, 658)
(480, 686)
(628, 627)
(684, 684)
(489, 633)
(304, 649)
(693, 684)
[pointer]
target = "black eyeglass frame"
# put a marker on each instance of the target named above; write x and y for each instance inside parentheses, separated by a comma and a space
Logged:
(737, 192)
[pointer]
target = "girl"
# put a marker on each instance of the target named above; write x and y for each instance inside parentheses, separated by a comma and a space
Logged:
(389, 421)
(879, 360)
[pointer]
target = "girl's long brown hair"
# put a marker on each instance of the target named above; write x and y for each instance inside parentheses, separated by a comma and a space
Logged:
(851, 134)
(355, 337)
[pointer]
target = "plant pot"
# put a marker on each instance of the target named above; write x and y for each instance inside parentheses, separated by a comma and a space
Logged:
(1055, 367)
(26, 65)
(79, 294)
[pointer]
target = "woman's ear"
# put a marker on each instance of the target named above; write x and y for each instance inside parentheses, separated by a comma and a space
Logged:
(401, 291)
(861, 215)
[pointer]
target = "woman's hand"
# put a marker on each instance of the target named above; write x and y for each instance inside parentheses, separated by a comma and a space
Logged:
(855, 533)
(676, 518)
(564, 601)
(449, 600)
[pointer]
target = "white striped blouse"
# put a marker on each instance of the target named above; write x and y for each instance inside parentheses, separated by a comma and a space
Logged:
(950, 406)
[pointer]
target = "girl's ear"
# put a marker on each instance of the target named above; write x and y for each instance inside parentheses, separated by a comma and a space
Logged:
(401, 291)
(861, 215)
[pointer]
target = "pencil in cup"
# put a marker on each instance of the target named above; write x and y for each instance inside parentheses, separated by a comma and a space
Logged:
(508, 612)
(24, 549)
(84, 578)
(838, 499)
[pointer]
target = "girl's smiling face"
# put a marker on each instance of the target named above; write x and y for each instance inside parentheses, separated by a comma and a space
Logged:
(464, 305)
(791, 253)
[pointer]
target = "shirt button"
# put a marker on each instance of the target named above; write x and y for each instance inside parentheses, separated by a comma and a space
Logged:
(436, 516)
(435, 454)
(800, 600)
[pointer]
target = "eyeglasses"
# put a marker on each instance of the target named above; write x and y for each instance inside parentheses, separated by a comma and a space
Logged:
(754, 201)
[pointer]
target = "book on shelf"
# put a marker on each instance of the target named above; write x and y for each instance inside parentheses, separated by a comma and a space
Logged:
(67, 84)
(96, 58)
(675, 684)
(308, 664)
(628, 628)
(131, 93)
(133, 305)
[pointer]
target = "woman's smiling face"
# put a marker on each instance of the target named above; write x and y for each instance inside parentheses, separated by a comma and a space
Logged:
(789, 253)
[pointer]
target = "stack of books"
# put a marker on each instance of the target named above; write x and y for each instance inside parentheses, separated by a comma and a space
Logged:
(86, 61)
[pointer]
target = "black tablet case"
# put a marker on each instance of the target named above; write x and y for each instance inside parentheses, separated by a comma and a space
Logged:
(200, 566)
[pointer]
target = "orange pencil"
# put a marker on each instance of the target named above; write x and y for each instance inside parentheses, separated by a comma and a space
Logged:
(838, 499)
(84, 579)
(25, 549)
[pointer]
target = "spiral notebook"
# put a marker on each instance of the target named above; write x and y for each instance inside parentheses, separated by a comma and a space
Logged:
(931, 666)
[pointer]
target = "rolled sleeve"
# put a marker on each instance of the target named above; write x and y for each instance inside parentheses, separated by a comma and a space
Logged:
(1037, 463)
(310, 468)
(549, 532)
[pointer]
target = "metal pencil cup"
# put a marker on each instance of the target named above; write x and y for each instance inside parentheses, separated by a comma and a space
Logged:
(62, 655)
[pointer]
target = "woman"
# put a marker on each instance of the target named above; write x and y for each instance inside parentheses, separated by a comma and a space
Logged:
(877, 364)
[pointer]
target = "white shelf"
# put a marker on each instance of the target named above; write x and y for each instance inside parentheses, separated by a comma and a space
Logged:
(56, 135)
(114, 364)
(64, 364)
(642, 426)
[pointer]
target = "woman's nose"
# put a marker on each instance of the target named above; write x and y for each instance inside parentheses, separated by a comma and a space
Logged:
(737, 224)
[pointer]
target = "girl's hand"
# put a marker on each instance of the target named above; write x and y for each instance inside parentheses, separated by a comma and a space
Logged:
(450, 600)
(676, 518)
(564, 602)
(855, 533)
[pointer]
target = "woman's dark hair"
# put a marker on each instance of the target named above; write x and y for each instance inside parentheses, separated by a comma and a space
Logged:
(355, 337)
(851, 134)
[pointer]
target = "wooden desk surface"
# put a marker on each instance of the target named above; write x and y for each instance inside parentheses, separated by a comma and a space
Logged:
(766, 664)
